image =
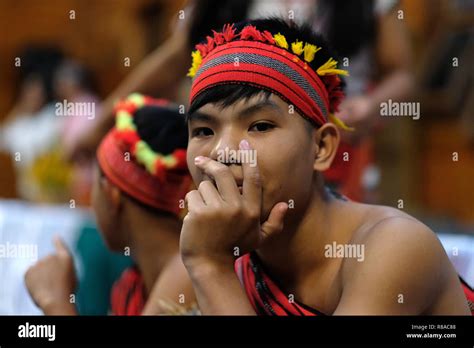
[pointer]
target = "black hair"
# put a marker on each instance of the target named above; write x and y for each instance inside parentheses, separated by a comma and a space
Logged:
(348, 24)
(40, 62)
(213, 14)
(225, 95)
(163, 129)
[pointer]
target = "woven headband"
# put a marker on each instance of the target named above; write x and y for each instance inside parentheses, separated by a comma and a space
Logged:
(260, 59)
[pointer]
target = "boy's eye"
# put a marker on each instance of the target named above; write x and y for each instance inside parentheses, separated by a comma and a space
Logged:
(201, 132)
(262, 127)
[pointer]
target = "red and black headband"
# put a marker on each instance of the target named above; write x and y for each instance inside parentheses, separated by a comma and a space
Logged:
(268, 61)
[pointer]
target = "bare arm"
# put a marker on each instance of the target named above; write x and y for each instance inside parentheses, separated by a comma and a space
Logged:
(172, 292)
(218, 290)
(405, 271)
(220, 219)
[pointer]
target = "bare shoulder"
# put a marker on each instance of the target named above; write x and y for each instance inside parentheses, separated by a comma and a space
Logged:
(404, 265)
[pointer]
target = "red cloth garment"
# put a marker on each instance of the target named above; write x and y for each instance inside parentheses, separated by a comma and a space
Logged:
(469, 292)
(128, 293)
(264, 293)
(267, 298)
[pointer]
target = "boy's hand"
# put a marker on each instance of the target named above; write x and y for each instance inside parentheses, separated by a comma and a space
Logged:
(52, 280)
(221, 219)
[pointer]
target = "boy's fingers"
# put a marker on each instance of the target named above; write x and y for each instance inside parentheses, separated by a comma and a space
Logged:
(252, 185)
(61, 248)
(209, 193)
(193, 200)
(222, 176)
(275, 221)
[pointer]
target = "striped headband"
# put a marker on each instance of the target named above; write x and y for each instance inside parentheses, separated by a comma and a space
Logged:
(267, 61)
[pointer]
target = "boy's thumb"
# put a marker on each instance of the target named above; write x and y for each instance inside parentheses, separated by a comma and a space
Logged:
(275, 221)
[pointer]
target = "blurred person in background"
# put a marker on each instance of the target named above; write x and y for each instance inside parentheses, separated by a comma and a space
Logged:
(73, 84)
(30, 132)
(139, 183)
(375, 41)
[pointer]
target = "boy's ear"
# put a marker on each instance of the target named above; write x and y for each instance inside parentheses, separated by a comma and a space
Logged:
(326, 139)
(112, 194)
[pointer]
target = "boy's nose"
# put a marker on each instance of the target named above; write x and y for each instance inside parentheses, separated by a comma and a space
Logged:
(224, 146)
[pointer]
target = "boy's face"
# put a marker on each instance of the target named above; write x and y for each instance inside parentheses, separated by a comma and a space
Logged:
(284, 144)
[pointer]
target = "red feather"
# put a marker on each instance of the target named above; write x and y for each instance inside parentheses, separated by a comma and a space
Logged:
(210, 44)
(268, 37)
(202, 48)
(251, 33)
(335, 93)
(228, 32)
(218, 38)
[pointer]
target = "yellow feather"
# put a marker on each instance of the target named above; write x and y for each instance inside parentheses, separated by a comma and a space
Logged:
(197, 60)
(330, 67)
(309, 52)
(280, 40)
(297, 47)
(338, 122)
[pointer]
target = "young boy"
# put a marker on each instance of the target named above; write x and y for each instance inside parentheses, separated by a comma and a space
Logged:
(137, 196)
(267, 88)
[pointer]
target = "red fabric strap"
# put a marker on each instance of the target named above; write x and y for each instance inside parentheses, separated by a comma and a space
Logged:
(128, 293)
(264, 294)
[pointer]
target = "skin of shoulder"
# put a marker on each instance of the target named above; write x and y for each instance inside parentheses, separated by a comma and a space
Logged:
(404, 269)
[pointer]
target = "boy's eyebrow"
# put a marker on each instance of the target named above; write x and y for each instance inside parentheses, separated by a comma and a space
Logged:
(252, 109)
(199, 116)
(247, 112)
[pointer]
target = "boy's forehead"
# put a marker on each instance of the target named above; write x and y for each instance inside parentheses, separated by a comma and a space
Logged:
(242, 107)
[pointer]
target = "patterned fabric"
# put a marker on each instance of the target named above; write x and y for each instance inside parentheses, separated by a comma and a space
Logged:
(469, 292)
(128, 293)
(264, 293)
